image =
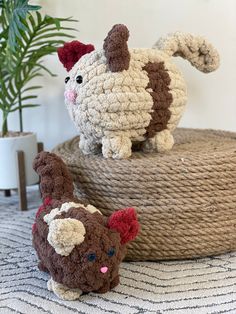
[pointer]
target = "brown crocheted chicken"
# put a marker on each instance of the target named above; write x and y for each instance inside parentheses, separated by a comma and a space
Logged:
(79, 247)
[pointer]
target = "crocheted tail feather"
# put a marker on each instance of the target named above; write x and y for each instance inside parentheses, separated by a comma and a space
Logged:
(55, 179)
(197, 50)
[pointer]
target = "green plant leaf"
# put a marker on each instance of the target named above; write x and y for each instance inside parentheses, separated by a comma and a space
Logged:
(17, 13)
(31, 88)
(57, 23)
(46, 69)
(29, 97)
(24, 106)
(34, 36)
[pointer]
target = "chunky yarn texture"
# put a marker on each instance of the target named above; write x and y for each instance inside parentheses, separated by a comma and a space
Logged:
(74, 242)
(118, 96)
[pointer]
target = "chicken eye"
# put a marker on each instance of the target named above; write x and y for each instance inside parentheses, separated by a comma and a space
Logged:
(67, 79)
(111, 252)
(91, 257)
(79, 79)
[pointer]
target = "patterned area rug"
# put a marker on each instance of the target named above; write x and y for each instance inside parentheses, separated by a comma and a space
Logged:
(195, 286)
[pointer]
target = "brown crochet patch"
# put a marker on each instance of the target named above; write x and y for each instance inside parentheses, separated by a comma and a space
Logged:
(116, 48)
(159, 81)
(56, 181)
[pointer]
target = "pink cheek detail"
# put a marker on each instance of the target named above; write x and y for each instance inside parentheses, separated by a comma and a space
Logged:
(70, 95)
(103, 269)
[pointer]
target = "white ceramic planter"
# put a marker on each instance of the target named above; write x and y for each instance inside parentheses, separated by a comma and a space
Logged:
(8, 163)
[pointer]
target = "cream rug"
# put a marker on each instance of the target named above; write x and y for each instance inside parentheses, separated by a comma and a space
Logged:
(195, 286)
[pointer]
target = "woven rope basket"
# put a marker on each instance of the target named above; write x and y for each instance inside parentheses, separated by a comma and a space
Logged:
(185, 199)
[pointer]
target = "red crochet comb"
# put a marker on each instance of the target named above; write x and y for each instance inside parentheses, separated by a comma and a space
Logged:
(125, 222)
(71, 52)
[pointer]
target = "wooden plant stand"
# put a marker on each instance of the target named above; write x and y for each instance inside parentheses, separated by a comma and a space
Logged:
(22, 178)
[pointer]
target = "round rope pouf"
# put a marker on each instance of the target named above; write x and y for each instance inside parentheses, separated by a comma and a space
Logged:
(185, 199)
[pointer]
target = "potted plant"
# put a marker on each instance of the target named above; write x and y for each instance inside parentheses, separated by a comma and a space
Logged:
(26, 37)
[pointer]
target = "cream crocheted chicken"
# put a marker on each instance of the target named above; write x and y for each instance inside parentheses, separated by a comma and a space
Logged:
(119, 96)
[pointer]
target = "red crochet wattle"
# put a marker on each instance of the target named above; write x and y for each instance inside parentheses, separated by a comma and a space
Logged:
(126, 223)
(71, 52)
(34, 227)
(47, 201)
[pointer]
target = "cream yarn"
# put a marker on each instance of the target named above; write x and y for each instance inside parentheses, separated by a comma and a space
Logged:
(65, 234)
(115, 109)
(62, 291)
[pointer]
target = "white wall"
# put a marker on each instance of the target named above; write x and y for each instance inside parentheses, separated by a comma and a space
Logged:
(212, 97)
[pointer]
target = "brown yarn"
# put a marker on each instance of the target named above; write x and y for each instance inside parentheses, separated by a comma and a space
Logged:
(116, 48)
(185, 199)
(56, 180)
(74, 271)
(159, 81)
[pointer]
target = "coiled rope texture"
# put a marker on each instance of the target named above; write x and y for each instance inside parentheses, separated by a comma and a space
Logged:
(185, 199)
